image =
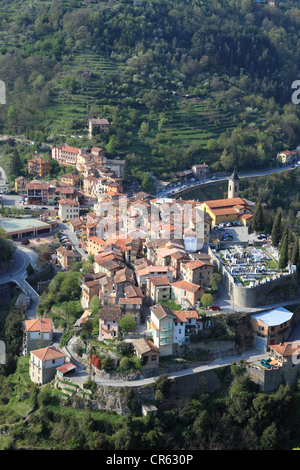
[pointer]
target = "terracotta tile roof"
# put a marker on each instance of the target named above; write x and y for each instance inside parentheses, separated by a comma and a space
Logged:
(37, 185)
(160, 281)
(47, 354)
(69, 202)
(186, 285)
(194, 264)
(44, 325)
(222, 203)
(286, 349)
(144, 346)
(110, 312)
(132, 300)
(161, 311)
(66, 148)
(133, 291)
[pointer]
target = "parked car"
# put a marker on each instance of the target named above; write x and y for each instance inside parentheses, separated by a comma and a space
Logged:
(79, 245)
(214, 307)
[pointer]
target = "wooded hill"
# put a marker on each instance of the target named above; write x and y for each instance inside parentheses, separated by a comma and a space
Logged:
(180, 81)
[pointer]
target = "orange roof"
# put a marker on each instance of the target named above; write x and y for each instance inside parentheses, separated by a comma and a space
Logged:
(66, 148)
(39, 324)
(47, 354)
(69, 202)
(222, 203)
(97, 240)
(286, 349)
(246, 216)
(186, 285)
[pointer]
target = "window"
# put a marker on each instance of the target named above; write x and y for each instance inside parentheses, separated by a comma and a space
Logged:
(153, 358)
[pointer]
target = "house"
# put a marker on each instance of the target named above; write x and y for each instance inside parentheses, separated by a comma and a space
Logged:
(109, 317)
(68, 209)
(285, 157)
(186, 293)
(94, 245)
(185, 324)
(89, 288)
(65, 192)
(65, 155)
(146, 272)
(90, 186)
(286, 354)
(161, 327)
(201, 171)
(38, 333)
(20, 185)
(66, 258)
(96, 126)
(38, 167)
(43, 364)
(197, 271)
(159, 289)
(148, 352)
(37, 192)
(132, 307)
(76, 224)
(70, 179)
(271, 327)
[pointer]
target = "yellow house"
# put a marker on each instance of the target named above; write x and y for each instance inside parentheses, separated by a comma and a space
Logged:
(70, 179)
(20, 185)
(226, 210)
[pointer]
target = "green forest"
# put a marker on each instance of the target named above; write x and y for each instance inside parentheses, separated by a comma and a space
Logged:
(235, 417)
(180, 81)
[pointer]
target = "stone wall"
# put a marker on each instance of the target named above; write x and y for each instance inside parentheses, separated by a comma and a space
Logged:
(277, 290)
(214, 348)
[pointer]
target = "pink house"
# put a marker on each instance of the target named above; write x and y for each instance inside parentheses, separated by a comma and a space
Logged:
(109, 317)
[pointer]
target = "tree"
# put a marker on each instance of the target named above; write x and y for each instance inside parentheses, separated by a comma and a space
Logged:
(296, 254)
(29, 270)
(257, 219)
(95, 304)
(215, 281)
(127, 323)
(276, 229)
(207, 299)
(284, 247)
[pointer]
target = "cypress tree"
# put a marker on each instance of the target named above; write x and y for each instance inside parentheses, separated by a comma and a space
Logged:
(276, 229)
(258, 219)
(284, 247)
(295, 255)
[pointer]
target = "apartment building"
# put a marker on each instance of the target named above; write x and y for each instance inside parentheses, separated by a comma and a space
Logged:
(39, 167)
(68, 209)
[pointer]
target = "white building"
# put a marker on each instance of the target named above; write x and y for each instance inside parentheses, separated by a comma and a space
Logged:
(43, 364)
(68, 209)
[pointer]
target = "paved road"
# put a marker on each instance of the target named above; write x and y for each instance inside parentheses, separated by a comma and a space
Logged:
(191, 186)
(250, 356)
(17, 272)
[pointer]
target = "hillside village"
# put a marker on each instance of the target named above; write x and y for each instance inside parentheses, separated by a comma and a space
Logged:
(156, 267)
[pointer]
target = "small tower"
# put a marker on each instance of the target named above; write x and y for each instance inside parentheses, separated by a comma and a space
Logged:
(233, 185)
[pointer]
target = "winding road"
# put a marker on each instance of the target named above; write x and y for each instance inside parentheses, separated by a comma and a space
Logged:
(17, 273)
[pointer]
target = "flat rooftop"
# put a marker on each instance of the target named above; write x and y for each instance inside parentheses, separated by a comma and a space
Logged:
(20, 225)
